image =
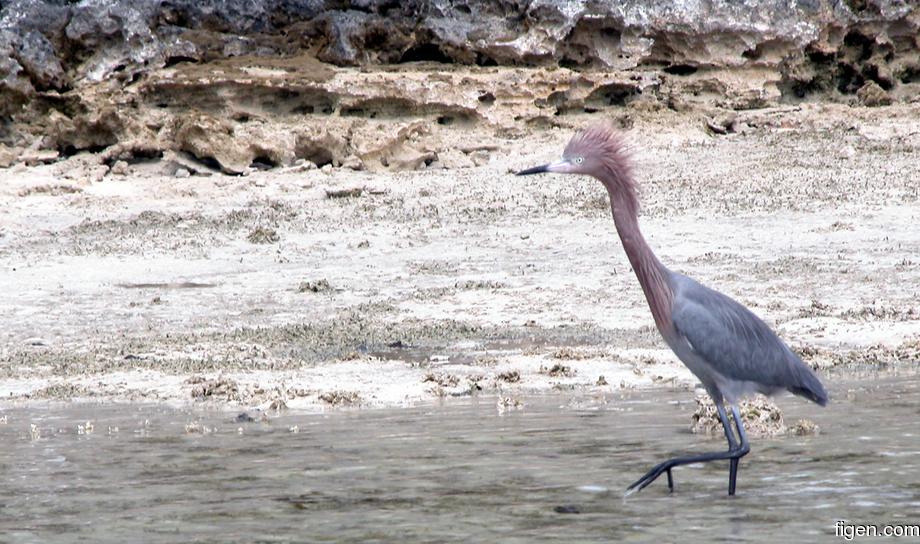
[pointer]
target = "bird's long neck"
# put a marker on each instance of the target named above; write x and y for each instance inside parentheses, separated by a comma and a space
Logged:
(653, 276)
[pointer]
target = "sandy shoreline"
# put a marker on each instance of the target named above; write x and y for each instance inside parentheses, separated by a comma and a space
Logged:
(261, 290)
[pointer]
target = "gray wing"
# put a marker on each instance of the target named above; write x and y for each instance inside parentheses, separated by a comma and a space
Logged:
(737, 343)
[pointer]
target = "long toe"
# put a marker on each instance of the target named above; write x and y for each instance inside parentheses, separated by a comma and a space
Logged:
(649, 477)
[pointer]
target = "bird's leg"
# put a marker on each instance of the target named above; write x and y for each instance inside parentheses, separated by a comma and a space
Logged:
(729, 435)
(735, 451)
(742, 450)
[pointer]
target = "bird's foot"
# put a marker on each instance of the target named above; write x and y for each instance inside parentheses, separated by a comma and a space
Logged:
(653, 475)
(666, 466)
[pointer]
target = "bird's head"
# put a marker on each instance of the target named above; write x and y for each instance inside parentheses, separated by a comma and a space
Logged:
(597, 151)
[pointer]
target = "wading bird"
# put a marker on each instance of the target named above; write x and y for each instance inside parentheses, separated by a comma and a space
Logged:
(728, 348)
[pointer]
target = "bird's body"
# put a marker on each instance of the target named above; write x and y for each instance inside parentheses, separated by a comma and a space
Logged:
(728, 348)
(731, 350)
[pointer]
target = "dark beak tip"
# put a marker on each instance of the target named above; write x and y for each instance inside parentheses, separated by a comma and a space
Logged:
(534, 170)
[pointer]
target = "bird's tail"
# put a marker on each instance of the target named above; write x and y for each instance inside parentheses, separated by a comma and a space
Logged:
(808, 385)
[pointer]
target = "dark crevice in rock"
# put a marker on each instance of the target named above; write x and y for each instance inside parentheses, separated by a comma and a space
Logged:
(860, 46)
(910, 74)
(851, 58)
(262, 162)
(614, 94)
(208, 161)
(134, 155)
(485, 60)
(681, 69)
(426, 52)
(177, 59)
(69, 150)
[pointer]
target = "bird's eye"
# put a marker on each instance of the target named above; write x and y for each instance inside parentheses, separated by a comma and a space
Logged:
(579, 160)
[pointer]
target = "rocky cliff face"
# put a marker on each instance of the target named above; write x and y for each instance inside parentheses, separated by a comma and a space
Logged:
(95, 74)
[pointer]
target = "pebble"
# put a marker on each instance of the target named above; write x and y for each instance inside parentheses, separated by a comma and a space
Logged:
(243, 417)
(120, 168)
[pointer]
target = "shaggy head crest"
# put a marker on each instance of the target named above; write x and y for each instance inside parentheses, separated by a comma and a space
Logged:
(604, 146)
(603, 153)
(599, 151)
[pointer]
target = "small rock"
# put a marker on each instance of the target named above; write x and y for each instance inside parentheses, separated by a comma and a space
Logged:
(480, 157)
(410, 159)
(721, 125)
(121, 168)
(300, 165)
(39, 156)
(353, 163)
(506, 404)
(558, 370)
(195, 427)
(601, 380)
(182, 173)
(318, 286)
(341, 398)
(872, 95)
(263, 235)
(243, 417)
(205, 136)
(7, 156)
(220, 388)
(443, 380)
(452, 159)
(762, 417)
(847, 152)
(804, 427)
(97, 173)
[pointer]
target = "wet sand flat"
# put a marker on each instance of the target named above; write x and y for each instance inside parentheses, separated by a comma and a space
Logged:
(319, 288)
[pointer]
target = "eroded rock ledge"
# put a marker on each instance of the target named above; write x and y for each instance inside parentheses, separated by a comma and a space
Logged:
(237, 85)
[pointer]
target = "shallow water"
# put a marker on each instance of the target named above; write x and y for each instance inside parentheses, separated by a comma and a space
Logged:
(458, 471)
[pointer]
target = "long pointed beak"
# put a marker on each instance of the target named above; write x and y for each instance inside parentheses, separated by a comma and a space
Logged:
(535, 170)
(558, 166)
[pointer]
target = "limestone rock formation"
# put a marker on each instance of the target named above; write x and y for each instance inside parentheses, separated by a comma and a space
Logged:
(87, 75)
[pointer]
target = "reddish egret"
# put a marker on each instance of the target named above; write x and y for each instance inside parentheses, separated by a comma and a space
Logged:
(729, 349)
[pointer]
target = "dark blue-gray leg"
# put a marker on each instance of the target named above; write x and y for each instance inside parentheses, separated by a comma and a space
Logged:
(742, 450)
(732, 444)
(735, 452)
